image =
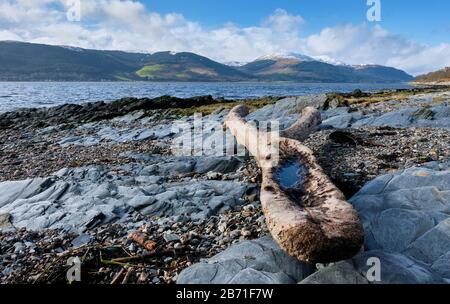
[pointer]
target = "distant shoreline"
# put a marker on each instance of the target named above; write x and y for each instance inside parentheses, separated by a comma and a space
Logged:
(15, 95)
(438, 84)
(204, 81)
(357, 93)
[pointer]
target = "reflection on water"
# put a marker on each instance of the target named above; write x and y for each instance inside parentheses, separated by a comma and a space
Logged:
(291, 175)
(15, 95)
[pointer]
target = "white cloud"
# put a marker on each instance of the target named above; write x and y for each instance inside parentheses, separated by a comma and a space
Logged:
(128, 25)
(373, 44)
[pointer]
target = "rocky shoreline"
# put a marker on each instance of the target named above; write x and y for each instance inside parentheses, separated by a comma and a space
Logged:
(101, 182)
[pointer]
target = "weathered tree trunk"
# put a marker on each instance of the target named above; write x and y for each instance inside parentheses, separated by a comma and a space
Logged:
(306, 213)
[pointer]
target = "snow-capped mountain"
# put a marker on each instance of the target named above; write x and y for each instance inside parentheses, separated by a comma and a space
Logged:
(40, 62)
(280, 56)
(301, 58)
(329, 60)
(235, 63)
(304, 68)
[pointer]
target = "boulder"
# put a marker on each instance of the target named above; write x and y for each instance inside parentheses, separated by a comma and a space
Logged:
(250, 262)
(406, 217)
(430, 117)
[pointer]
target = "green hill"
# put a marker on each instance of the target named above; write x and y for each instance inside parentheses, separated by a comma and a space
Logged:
(37, 62)
(168, 66)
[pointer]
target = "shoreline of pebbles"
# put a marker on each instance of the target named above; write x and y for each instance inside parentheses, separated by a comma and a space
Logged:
(154, 248)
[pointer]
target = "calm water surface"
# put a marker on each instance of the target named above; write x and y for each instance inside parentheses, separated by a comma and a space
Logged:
(15, 95)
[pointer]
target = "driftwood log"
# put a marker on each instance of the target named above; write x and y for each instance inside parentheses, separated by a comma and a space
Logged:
(306, 213)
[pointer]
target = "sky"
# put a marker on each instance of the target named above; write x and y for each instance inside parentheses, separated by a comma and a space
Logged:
(412, 35)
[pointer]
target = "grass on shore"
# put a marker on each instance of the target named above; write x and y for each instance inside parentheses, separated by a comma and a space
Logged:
(252, 104)
(366, 99)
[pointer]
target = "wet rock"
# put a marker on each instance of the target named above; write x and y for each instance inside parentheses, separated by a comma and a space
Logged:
(96, 111)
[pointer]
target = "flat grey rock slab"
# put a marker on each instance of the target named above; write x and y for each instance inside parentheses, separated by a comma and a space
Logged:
(396, 268)
(250, 262)
(85, 197)
(437, 117)
(286, 111)
(340, 273)
(81, 240)
(408, 214)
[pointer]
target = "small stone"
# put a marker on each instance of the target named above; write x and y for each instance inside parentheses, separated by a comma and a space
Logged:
(245, 232)
(81, 240)
(222, 227)
(5, 221)
(195, 242)
(171, 237)
(132, 247)
(249, 208)
(30, 245)
(252, 198)
(213, 176)
(235, 234)
(261, 219)
(143, 277)
(18, 247)
(168, 260)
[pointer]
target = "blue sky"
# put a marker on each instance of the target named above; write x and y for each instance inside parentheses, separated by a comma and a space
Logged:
(413, 35)
(424, 20)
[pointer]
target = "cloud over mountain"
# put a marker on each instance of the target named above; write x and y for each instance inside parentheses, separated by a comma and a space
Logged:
(129, 25)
